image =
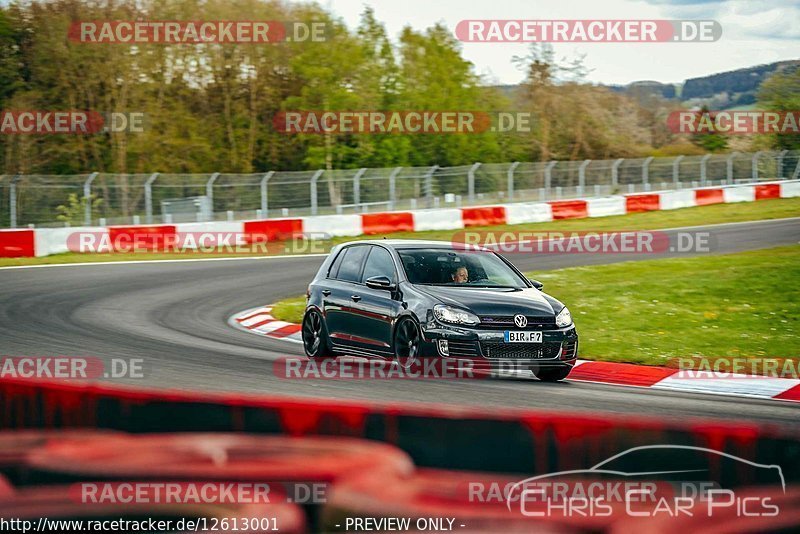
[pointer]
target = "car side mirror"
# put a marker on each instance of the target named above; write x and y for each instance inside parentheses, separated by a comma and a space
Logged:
(380, 282)
(535, 283)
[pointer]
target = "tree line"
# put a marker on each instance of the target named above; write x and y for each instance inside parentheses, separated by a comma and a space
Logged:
(209, 107)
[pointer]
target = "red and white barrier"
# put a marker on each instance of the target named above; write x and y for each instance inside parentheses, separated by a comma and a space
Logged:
(528, 212)
(442, 219)
(338, 225)
(739, 194)
(675, 200)
(606, 206)
(790, 189)
(46, 241)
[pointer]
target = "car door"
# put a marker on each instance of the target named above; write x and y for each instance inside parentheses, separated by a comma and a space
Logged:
(376, 309)
(342, 287)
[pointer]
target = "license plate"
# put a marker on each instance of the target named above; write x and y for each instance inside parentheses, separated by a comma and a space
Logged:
(522, 337)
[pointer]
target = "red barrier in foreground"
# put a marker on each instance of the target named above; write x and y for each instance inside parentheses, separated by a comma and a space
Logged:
(16, 446)
(220, 456)
(434, 436)
(5, 488)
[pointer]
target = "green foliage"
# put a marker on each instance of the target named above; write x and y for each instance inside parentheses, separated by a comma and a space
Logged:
(73, 211)
(709, 141)
(210, 107)
(781, 92)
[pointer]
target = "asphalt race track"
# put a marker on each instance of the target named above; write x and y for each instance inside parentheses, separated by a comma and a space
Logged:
(174, 316)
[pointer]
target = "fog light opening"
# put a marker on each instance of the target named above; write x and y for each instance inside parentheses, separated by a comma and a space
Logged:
(443, 350)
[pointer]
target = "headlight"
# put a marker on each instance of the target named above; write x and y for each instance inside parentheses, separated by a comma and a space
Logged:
(564, 318)
(448, 314)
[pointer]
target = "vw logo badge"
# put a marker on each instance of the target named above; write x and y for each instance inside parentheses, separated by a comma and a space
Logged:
(521, 321)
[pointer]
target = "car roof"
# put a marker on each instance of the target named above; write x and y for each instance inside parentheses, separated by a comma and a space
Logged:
(415, 243)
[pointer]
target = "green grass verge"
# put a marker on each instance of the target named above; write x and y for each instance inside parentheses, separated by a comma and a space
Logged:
(718, 213)
(290, 309)
(742, 305)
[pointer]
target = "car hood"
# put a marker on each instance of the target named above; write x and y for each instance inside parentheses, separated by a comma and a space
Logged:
(494, 301)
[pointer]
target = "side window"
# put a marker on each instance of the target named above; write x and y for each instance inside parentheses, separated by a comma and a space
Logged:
(350, 269)
(379, 263)
(334, 270)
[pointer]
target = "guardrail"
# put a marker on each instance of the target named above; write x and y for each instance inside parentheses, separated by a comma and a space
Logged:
(170, 237)
(101, 198)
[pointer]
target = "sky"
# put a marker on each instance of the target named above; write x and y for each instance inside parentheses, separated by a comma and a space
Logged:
(754, 32)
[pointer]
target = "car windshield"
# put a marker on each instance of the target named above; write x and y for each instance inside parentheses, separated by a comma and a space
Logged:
(442, 267)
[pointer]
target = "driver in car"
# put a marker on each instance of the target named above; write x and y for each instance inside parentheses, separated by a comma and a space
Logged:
(460, 275)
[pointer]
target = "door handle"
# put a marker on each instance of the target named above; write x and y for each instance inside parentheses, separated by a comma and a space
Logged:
(326, 292)
(356, 298)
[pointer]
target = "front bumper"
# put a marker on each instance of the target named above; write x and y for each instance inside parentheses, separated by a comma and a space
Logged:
(486, 347)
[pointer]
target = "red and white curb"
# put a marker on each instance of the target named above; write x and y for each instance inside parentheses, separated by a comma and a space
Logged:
(686, 381)
(261, 322)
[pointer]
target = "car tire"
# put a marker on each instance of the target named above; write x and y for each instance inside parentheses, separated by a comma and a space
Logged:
(315, 337)
(407, 343)
(551, 374)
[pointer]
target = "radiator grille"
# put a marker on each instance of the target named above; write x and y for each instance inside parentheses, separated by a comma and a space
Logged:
(520, 351)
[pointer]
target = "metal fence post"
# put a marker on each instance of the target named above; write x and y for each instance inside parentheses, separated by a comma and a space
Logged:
(87, 194)
(357, 185)
(393, 187)
(676, 170)
(755, 165)
(729, 162)
(210, 191)
(781, 155)
(148, 198)
(265, 195)
(646, 172)
(510, 180)
(548, 176)
(615, 172)
(314, 205)
(429, 186)
(703, 165)
(12, 200)
(471, 181)
(582, 176)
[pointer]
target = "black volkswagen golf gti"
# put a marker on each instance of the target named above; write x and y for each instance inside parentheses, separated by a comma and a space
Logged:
(405, 299)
